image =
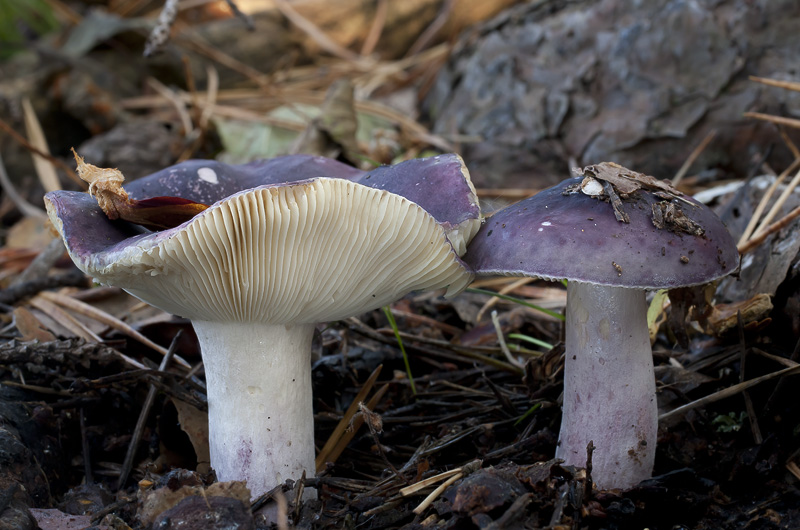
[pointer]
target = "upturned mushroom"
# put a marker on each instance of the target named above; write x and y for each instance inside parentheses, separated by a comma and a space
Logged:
(256, 270)
(613, 234)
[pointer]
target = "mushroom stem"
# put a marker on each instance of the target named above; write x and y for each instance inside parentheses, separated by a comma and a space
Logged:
(609, 385)
(261, 422)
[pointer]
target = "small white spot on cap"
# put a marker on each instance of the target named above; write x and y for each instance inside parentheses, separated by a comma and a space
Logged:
(547, 223)
(208, 174)
(541, 230)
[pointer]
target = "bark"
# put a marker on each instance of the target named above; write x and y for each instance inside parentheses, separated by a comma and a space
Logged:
(637, 83)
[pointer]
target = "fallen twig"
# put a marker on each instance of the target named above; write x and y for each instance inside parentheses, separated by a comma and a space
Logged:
(340, 429)
(42, 263)
(771, 229)
(728, 392)
(160, 34)
(12, 295)
(127, 464)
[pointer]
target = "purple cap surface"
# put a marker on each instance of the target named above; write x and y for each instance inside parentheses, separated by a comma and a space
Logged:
(441, 185)
(209, 181)
(573, 236)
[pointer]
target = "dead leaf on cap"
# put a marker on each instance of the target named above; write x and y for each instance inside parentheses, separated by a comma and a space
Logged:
(668, 215)
(156, 213)
(624, 180)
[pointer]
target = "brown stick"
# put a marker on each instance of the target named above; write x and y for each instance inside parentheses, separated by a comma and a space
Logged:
(771, 229)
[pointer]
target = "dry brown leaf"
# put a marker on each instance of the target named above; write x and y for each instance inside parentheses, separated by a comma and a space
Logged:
(64, 319)
(30, 327)
(153, 502)
(31, 232)
(724, 316)
(194, 422)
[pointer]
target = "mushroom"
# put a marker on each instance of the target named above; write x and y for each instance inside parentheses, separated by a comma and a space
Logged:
(255, 271)
(637, 234)
(440, 184)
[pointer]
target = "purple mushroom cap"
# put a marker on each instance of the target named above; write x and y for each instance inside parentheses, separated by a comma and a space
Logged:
(577, 237)
(209, 181)
(439, 184)
(434, 184)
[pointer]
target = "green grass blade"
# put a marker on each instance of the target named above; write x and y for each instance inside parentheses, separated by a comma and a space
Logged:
(393, 323)
(532, 340)
(528, 413)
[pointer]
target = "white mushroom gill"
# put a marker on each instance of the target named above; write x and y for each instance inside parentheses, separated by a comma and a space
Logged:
(304, 253)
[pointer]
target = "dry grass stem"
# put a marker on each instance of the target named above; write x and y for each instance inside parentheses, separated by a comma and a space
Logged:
(33, 149)
(728, 392)
(251, 104)
(355, 425)
(341, 427)
(212, 91)
(780, 120)
(10, 191)
(197, 44)
(776, 208)
(789, 143)
(177, 102)
(435, 493)
(501, 340)
(111, 321)
(433, 28)
(378, 23)
(692, 157)
(762, 205)
(65, 319)
(127, 464)
(793, 469)
(780, 360)
(789, 85)
(318, 36)
(771, 229)
(424, 483)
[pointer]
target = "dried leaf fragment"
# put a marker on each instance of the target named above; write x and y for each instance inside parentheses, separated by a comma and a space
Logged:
(724, 316)
(624, 180)
(667, 215)
(157, 213)
(616, 203)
